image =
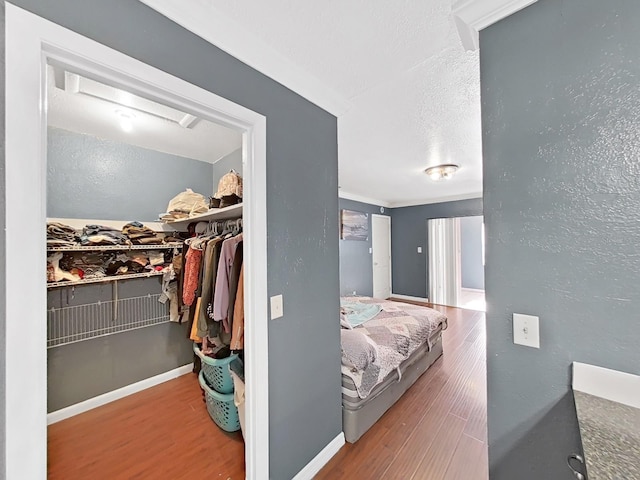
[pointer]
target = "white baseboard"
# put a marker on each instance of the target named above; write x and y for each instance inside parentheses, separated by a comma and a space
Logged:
(477, 290)
(109, 397)
(409, 297)
(320, 460)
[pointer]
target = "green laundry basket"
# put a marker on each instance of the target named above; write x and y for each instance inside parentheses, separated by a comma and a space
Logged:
(221, 407)
(216, 371)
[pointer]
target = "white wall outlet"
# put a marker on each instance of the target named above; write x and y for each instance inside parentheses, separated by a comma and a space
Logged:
(419, 249)
(276, 307)
(526, 330)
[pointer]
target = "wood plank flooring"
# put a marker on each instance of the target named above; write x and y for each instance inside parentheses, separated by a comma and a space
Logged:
(437, 430)
(162, 433)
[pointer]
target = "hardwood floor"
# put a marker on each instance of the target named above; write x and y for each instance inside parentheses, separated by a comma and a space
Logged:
(437, 430)
(163, 433)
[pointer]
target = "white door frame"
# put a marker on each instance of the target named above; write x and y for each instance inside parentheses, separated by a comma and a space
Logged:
(30, 42)
(388, 218)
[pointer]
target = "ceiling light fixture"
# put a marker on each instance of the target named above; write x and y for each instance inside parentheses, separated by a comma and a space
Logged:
(126, 120)
(442, 172)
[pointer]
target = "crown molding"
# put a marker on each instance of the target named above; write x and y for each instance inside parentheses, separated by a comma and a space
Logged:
(471, 16)
(429, 201)
(360, 198)
(218, 29)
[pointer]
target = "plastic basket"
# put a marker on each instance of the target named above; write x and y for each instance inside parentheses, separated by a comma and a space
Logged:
(221, 407)
(216, 371)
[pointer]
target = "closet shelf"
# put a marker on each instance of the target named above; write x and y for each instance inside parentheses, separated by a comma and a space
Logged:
(226, 213)
(104, 248)
(111, 278)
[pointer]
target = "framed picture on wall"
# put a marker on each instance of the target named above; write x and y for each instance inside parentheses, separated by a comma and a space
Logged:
(354, 225)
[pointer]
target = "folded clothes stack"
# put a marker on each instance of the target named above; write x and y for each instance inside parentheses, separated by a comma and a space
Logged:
(173, 216)
(101, 235)
(61, 235)
(87, 265)
(141, 235)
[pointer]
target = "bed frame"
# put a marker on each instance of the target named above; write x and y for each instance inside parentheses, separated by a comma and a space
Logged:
(356, 421)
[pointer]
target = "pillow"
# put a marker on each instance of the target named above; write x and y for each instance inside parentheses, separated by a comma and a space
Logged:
(357, 352)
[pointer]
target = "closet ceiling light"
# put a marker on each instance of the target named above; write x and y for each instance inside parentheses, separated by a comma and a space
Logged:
(126, 120)
(442, 172)
(75, 84)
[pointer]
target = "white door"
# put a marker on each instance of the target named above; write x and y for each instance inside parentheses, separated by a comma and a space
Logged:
(444, 272)
(381, 248)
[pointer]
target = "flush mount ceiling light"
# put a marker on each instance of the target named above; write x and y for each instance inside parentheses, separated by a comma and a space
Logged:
(442, 172)
(126, 120)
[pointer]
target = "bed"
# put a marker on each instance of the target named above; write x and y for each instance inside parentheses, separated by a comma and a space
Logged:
(386, 346)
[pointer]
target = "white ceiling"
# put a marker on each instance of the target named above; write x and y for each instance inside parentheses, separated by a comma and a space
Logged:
(89, 107)
(413, 92)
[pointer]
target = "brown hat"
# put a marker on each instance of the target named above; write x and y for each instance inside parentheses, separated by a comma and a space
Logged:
(229, 184)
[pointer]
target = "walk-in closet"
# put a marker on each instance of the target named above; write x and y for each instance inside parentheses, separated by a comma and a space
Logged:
(145, 285)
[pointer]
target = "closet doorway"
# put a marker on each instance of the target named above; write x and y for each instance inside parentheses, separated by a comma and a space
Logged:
(32, 45)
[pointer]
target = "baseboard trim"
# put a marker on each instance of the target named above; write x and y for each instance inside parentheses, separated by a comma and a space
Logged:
(409, 297)
(320, 460)
(109, 397)
(475, 290)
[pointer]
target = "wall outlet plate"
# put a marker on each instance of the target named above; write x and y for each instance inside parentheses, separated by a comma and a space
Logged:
(526, 330)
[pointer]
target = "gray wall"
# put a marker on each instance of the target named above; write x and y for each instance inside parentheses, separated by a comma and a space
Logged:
(82, 370)
(409, 231)
(561, 115)
(471, 252)
(356, 268)
(230, 161)
(302, 207)
(90, 177)
(94, 178)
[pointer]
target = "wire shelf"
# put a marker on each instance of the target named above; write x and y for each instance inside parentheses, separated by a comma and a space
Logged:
(107, 248)
(109, 278)
(74, 324)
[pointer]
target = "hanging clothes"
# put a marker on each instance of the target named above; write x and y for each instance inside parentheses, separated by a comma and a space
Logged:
(191, 275)
(233, 282)
(211, 257)
(237, 335)
(221, 298)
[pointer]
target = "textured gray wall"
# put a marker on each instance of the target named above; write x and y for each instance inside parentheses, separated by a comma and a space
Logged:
(231, 161)
(302, 208)
(356, 268)
(409, 231)
(560, 115)
(90, 177)
(471, 252)
(82, 370)
(2, 249)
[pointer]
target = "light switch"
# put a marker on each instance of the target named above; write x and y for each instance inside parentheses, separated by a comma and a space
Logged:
(526, 330)
(276, 307)
(370, 250)
(419, 249)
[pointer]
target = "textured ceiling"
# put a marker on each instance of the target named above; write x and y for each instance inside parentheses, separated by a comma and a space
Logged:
(154, 127)
(414, 90)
